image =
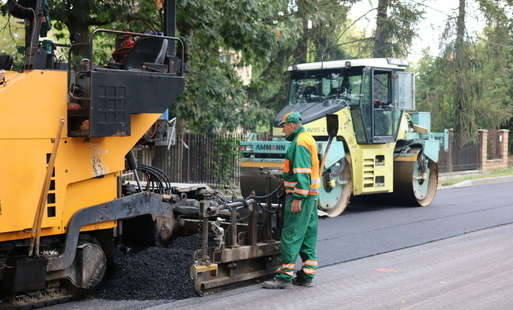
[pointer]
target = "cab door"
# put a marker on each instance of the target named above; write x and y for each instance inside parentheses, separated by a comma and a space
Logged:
(377, 109)
(384, 116)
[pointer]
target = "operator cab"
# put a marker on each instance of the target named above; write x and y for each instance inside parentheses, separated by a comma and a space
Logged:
(370, 88)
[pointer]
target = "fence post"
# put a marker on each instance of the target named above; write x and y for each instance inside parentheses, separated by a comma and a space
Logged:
(503, 145)
(483, 148)
(180, 156)
(189, 144)
(450, 151)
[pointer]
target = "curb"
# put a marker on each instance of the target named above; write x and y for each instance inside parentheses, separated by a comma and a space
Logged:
(483, 181)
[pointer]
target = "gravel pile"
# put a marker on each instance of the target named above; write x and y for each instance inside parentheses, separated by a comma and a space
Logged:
(151, 273)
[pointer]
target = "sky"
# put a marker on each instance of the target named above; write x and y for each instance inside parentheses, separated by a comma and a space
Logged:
(430, 29)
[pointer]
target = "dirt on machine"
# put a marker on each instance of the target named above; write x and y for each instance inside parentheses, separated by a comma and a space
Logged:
(67, 130)
(372, 143)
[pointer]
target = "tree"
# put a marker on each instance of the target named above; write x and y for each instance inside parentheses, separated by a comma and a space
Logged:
(215, 98)
(395, 28)
(72, 19)
(11, 40)
(394, 31)
(77, 16)
(466, 86)
(314, 30)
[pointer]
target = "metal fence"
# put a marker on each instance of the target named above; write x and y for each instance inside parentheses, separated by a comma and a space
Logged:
(211, 159)
(471, 156)
(493, 148)
(466, 158)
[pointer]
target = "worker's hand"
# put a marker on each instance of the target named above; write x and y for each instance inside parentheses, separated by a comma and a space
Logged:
(295, 207)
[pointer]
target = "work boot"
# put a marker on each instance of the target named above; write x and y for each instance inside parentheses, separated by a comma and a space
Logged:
(302, 282)
(276, 284)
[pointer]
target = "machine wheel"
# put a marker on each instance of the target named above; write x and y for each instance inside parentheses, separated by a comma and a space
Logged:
(415, 182)
(90, 266)
(336, 189)
(84, 274)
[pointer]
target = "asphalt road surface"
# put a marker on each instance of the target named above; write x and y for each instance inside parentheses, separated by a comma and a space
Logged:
(455, 254)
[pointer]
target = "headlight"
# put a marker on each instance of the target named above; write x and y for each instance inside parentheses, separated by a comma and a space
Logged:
(246, 148)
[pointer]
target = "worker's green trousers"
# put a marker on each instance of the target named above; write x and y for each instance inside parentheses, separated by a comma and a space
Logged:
(299, 237)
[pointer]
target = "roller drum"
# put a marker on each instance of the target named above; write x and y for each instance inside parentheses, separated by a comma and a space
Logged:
(414, 186)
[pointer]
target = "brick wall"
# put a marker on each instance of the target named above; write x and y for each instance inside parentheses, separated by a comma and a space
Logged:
(502, 144)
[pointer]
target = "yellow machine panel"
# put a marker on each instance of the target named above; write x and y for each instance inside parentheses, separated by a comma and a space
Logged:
(27, 139)
(373, 169)
(26, 98)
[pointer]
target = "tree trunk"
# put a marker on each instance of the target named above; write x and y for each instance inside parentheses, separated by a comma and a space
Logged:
(79, 33)
(301, 50)
(380, 49)
(459, 70)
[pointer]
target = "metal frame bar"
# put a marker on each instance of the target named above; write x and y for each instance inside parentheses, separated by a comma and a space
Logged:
(122, 208)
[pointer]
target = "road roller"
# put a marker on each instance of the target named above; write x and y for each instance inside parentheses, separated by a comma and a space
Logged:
(379, 147)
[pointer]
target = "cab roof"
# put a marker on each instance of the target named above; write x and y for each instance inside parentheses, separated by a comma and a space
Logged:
(387, 63)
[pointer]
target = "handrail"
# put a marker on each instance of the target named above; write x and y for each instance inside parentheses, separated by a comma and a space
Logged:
(70, 92)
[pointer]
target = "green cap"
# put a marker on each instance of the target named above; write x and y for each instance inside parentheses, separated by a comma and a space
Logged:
(291, 117)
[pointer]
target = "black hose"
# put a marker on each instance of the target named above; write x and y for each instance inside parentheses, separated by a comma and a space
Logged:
(257, 198)
(157, 179)
(266, 196)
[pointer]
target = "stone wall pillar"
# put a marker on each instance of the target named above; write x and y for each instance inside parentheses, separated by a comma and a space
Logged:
(503, 145)
(483, 147)
(496, 163)
(450, 151)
